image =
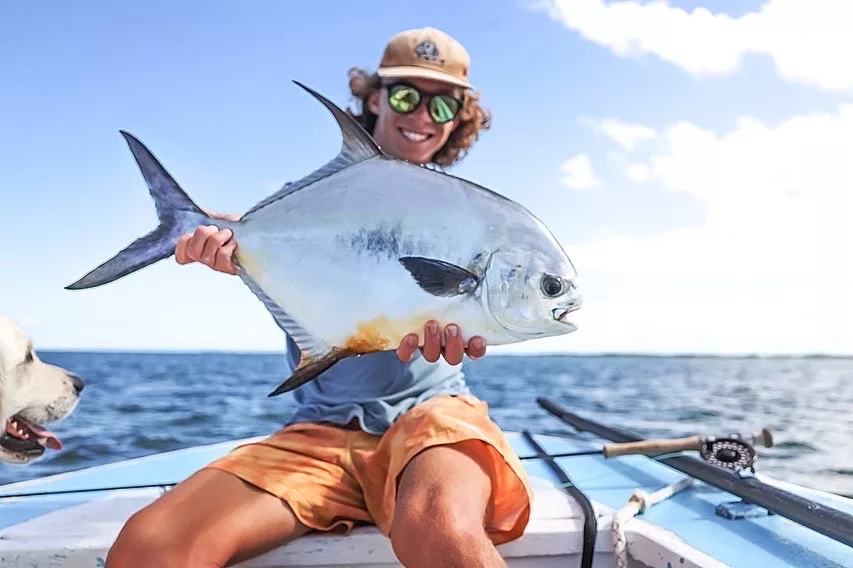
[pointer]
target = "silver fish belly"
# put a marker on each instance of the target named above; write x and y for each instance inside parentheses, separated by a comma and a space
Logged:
(362, 252)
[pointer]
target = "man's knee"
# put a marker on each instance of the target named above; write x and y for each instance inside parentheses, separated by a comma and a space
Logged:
(150, 539)
(424, 531)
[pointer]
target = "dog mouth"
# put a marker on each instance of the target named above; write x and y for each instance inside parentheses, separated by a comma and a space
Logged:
(23, 436)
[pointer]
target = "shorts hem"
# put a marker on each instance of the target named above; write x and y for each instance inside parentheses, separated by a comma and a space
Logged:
(292, 496)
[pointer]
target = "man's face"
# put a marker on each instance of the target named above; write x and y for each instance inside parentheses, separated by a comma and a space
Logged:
(415, 136)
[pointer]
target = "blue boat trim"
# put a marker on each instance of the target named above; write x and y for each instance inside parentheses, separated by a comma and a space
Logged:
(768, 540)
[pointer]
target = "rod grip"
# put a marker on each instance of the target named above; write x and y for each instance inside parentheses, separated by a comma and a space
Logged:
(653, 447)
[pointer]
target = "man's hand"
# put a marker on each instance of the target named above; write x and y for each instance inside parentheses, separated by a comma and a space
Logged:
(209, 245)
(453, 350)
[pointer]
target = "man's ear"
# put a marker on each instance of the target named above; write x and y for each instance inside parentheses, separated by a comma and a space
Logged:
(373, 103)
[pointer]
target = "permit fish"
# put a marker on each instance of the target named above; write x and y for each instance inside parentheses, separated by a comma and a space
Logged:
(364, 250)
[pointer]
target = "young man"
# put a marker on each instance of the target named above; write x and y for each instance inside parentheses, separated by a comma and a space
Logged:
(393, 438)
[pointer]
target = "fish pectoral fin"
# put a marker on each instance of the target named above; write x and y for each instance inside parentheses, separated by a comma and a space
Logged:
(440, 278)
(311, 368)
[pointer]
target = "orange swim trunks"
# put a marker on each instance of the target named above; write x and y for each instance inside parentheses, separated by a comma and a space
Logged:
(334, 477)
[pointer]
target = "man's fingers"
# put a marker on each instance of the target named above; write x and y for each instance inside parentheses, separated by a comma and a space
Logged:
(223, 261)
(407, 347)
(432, 342)
(476, 347)
(195, 247)
(454, 349)
(181, 249)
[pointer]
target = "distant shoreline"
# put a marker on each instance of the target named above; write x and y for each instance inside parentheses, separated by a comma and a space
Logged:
(579, 355)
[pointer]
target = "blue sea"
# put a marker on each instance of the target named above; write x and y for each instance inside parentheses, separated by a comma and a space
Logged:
(142, 403)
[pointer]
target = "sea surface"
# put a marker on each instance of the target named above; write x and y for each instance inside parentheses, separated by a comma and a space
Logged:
(142, 403)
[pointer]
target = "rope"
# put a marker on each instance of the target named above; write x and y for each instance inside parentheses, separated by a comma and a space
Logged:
(638, 503)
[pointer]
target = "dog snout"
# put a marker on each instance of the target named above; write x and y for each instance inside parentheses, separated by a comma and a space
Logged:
(77, 382)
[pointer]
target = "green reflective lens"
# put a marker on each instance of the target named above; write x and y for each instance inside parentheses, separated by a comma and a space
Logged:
(406, 98)
(443, 108)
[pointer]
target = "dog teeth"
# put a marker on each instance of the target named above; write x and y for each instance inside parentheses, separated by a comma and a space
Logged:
(42, 441)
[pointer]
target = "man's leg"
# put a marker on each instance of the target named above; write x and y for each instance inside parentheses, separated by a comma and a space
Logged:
(210, 520)
(441, 510)
(293, 480)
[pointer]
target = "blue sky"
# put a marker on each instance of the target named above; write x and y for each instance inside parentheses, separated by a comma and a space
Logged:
(716, 221)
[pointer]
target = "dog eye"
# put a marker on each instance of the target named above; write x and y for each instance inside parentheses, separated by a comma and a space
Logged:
(28, 358)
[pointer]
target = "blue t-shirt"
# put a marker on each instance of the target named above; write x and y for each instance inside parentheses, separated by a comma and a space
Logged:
(375, 388)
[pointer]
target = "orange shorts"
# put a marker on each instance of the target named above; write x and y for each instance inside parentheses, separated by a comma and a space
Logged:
(334, 477)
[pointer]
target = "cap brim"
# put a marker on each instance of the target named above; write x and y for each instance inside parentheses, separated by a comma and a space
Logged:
(423, 73)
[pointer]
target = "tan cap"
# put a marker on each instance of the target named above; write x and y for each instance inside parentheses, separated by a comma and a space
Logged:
(428, 53)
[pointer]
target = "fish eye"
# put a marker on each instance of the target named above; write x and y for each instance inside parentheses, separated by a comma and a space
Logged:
(552, 286)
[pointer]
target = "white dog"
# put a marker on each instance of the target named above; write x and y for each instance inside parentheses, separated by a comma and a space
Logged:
(32, 393)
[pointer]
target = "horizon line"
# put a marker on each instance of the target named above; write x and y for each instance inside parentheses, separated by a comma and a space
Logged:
(578, 354)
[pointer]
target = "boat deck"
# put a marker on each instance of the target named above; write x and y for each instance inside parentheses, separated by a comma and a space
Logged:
(76, 529)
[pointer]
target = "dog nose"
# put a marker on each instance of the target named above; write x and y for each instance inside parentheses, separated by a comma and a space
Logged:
(77, 382)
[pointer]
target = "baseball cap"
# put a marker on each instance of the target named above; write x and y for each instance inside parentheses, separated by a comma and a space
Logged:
(428, 53)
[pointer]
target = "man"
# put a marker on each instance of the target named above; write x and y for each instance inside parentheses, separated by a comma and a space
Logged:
(393, 438)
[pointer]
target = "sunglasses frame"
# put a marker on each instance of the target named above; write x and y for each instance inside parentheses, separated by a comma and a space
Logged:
(426, 97)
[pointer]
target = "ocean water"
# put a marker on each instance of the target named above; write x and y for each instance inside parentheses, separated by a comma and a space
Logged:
(139, 404)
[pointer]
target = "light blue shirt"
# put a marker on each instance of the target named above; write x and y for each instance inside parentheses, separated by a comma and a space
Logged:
(375, 388)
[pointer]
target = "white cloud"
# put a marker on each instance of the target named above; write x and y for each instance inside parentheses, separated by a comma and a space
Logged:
(638, 172)
(626, 134)
(808, 40)
(578, 173)
(767, 270)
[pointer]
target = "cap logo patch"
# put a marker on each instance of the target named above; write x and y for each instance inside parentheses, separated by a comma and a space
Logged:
(428, 51)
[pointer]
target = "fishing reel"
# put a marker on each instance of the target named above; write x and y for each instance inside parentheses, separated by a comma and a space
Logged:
(735, 452)
(728, 453)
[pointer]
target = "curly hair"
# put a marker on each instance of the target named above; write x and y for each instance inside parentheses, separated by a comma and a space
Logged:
(473, 117)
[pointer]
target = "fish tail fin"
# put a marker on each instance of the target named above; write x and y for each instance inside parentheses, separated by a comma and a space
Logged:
(176, 212)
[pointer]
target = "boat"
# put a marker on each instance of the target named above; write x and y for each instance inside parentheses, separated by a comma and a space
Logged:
(626, 502)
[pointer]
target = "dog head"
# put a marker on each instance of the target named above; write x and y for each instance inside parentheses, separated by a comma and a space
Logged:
(32, 394)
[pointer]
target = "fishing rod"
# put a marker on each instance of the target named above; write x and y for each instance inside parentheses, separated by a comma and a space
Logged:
(827, 521)
(733, 452)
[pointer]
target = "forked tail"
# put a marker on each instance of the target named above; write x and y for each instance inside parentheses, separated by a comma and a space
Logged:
(177, 215)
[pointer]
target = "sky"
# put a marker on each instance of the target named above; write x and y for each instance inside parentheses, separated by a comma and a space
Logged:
(693, 158)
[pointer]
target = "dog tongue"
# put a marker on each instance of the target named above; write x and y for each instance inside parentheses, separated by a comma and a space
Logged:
(38, 432)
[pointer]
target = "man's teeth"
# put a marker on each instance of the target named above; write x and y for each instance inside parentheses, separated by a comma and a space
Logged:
(415, 136)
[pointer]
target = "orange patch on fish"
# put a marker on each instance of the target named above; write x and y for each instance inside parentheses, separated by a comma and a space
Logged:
(368, 337)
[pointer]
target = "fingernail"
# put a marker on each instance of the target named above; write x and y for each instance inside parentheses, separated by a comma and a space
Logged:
(412, 341)
(432, 327)
(477, 343)
(452, 330)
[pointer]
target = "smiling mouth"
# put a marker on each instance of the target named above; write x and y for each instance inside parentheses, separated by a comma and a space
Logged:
(25, 437)
(414, 136)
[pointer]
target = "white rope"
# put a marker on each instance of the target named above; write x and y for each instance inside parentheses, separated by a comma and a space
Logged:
(638, 503)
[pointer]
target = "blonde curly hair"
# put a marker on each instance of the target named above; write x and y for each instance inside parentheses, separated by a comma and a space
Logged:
(473, 117)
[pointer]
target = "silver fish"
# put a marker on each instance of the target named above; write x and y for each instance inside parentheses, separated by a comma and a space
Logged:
(367, 248)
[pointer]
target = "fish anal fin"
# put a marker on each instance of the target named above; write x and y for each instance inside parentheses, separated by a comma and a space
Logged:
(440, 278)
(310, 347)
(310, 368)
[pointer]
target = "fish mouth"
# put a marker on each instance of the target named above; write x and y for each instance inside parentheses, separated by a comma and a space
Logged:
(24, 437)
(561, 315)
